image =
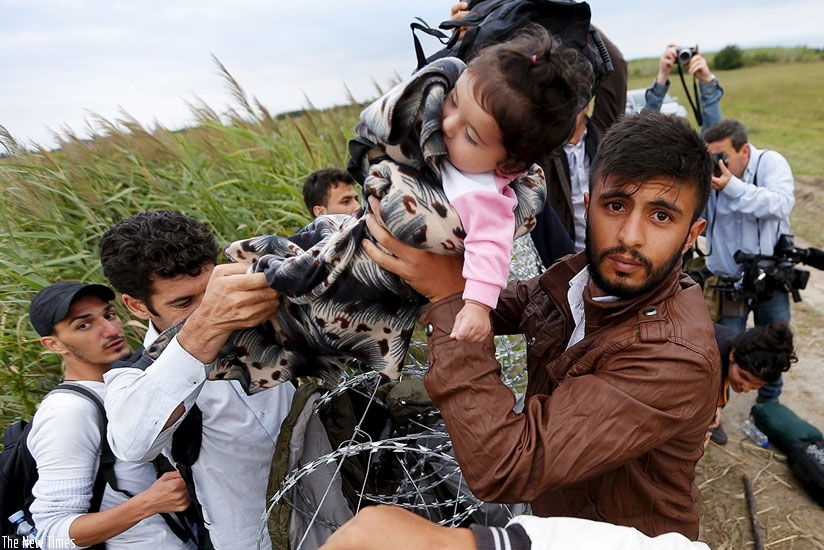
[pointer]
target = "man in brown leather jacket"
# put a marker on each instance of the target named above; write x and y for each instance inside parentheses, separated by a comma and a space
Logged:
(623, 363)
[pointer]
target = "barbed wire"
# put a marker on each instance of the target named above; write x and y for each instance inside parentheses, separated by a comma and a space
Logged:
(430, 482)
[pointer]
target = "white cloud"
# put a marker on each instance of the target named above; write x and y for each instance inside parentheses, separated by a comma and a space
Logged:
(151, 58)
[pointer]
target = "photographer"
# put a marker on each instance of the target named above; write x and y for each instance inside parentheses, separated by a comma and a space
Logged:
(710, 91)
(749, 209)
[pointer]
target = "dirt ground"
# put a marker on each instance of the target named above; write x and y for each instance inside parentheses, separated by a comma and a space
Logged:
(786, 516)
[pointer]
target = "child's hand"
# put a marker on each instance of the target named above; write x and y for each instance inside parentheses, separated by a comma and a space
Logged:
(472, 323)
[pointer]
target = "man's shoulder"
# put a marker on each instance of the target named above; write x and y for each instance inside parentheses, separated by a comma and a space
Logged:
(64, 397)
(690, 318)
(767, 157)
(132, 361)
(65, 412)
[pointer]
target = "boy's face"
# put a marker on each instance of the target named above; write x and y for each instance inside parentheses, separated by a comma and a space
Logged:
(90, 335)
(472, 136)
(636, 234)
(341, 199)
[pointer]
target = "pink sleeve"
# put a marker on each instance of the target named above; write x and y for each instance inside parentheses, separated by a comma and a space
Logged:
(489, 222)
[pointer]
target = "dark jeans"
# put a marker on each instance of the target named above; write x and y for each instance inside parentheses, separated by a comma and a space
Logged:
(775, 309)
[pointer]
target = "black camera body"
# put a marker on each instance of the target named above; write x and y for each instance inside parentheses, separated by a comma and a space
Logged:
(722, 156)
(684, 53)
(764, 275)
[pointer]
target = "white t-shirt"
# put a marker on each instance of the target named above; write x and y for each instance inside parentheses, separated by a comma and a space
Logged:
(65, 443)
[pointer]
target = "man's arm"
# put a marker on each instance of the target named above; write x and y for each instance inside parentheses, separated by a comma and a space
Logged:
(657, 91)
(710, 92)
(65, 443)
(145, 406)
(381, 527)
(772, 198)
(511, 457)
(234, 299)
(435, 276)
(167, 494)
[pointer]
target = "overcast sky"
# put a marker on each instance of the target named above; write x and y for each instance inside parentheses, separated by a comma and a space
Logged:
(63, 62)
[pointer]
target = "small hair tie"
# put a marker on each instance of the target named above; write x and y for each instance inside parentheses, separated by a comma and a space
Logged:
(534, 58)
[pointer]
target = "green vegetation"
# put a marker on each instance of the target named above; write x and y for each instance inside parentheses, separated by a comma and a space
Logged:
(729, 58)
(241, 173)
(780, 103)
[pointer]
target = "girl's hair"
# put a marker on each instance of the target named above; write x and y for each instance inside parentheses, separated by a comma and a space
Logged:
(534, 88)
(765, 351)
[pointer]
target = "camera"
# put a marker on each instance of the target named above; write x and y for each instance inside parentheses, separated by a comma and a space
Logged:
(764, 275)
(683, 54)
(722, 156)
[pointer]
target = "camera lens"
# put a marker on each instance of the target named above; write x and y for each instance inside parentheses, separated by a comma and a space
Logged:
(684, 55)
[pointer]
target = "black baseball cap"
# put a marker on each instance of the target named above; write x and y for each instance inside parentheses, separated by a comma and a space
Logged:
(52, 303)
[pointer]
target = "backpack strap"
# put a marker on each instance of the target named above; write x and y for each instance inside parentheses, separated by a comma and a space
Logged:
(105, 473)
(186, 440)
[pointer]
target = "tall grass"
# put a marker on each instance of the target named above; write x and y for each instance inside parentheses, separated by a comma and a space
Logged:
(240, 172)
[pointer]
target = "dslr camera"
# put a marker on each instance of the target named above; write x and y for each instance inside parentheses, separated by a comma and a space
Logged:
(684, 53)
(722, 156)
(764, 275)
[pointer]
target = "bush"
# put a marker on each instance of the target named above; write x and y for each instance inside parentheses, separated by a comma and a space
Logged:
(729, 58)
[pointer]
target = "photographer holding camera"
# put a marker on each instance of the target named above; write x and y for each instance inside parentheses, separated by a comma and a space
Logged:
(748, 212)
(710, 92)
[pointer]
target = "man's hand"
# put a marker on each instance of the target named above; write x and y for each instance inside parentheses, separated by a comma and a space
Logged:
(714, 423)
(435, 276)
(699, 69)
(459, 10)
(167, 494)
(720, 182)
(666, 63)
(233, 300)
(381, 527)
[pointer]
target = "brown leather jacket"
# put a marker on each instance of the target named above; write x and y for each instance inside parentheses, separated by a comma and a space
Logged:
(612, 428)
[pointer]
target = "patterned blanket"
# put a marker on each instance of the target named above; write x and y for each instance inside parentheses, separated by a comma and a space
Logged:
(339, 306)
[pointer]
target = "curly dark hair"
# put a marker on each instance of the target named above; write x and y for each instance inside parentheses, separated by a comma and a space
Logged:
(765, 351)
(154, 245)
(534, 88)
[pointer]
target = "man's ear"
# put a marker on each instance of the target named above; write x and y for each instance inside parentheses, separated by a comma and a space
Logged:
(695, 230)
(318, 210)
(586, 205)
(53, 344)
(136, 307)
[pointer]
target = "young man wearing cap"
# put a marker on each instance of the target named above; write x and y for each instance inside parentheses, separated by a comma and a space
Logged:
(78, 322)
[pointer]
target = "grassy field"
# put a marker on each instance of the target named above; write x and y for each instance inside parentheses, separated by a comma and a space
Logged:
(241, 173)
(780, 104)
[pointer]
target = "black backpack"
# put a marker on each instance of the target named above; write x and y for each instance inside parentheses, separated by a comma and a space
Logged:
(18, 473)
(493, 21)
